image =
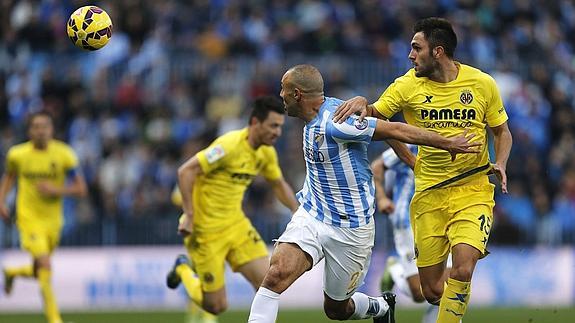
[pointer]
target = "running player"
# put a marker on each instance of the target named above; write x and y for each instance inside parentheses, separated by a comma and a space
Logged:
(40, 167)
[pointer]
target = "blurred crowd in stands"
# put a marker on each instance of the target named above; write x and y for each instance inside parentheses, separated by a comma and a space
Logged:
(178, 73)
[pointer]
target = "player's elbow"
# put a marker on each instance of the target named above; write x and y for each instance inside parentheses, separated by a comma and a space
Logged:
(182, 170)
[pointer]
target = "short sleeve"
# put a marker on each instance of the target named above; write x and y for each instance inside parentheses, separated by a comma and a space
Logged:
(11, 162)
(211, 157)
(214, 155)
(353, 130)
(496, 114)
(70, 158)
(271, 170)
(392, 100)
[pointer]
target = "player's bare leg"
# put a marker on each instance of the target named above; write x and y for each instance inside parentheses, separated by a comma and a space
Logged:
(432, 281)
(182, 272)
(458, 288)
(430, 314)
(288, 263)
(215, 302)
(212, 302)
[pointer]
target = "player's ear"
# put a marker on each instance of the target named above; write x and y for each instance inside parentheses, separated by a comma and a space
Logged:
(438, 51)
(297, 94)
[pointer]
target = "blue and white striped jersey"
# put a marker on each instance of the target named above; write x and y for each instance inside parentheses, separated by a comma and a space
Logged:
(338, 187)
(403, 186)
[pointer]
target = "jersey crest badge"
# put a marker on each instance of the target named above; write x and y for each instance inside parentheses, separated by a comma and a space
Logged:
(215, 153)
(360, 125)
(466, 97)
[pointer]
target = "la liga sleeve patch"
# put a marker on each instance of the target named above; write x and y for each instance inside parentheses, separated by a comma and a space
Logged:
(215, 153)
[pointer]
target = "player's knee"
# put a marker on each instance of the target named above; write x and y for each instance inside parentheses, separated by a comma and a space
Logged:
(432, 294)
(42, 263)
(335, 312)
(274, 277)
(462, 272)
(215, 308)
(417, 296)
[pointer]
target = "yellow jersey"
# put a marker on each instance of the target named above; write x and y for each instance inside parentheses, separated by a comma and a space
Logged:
(471, 101)
(32, 166)
(229, 166)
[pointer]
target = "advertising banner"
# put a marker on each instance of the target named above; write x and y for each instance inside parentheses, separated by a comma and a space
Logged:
(134, 278)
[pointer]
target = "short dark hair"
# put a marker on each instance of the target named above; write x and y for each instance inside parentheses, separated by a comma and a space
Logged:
(438, 32)
(34, 115)
(263, 105)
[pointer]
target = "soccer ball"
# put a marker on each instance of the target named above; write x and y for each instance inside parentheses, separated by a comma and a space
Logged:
(89, 28)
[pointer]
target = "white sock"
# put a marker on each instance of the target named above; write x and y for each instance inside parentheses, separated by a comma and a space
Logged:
(367, 306)
(398, 275)
(264, 306)
(430, 315)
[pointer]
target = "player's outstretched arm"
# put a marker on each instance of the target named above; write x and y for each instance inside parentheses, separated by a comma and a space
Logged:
(503, 142)
(403, 132)
(6, 184)
(384, 203)
(284, 193)
(187, 175)
(402, 151)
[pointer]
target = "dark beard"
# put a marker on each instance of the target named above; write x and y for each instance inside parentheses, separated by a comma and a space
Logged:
(428, 70)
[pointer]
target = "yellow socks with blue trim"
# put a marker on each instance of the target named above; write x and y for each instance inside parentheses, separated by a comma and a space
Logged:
(50, 307)
(191, 283)
(454, 301)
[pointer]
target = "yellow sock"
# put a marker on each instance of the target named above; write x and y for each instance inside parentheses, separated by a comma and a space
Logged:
(193, 314)
(197, 315)
(23, 271)
(191, 283)
(50, 307)
(454, 301)
(208, 317)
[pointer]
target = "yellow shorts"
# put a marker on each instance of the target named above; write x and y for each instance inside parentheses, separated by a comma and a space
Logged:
(238, 245)
(39, 242)
(444, 217)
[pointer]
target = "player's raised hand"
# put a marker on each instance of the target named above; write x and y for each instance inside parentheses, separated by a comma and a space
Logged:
(385, 205)
(185, 225)
(501, 174)
(354, 105)
(462, 144)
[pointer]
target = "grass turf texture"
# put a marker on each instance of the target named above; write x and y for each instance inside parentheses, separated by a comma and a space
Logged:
(475, 315)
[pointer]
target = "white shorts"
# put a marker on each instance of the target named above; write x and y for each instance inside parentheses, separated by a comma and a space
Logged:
(347, 251)
(405, 247)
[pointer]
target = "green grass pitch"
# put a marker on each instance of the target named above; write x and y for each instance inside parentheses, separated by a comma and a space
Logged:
(474, 315)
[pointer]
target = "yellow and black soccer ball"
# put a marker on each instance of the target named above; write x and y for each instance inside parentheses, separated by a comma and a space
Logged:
(89, 28)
